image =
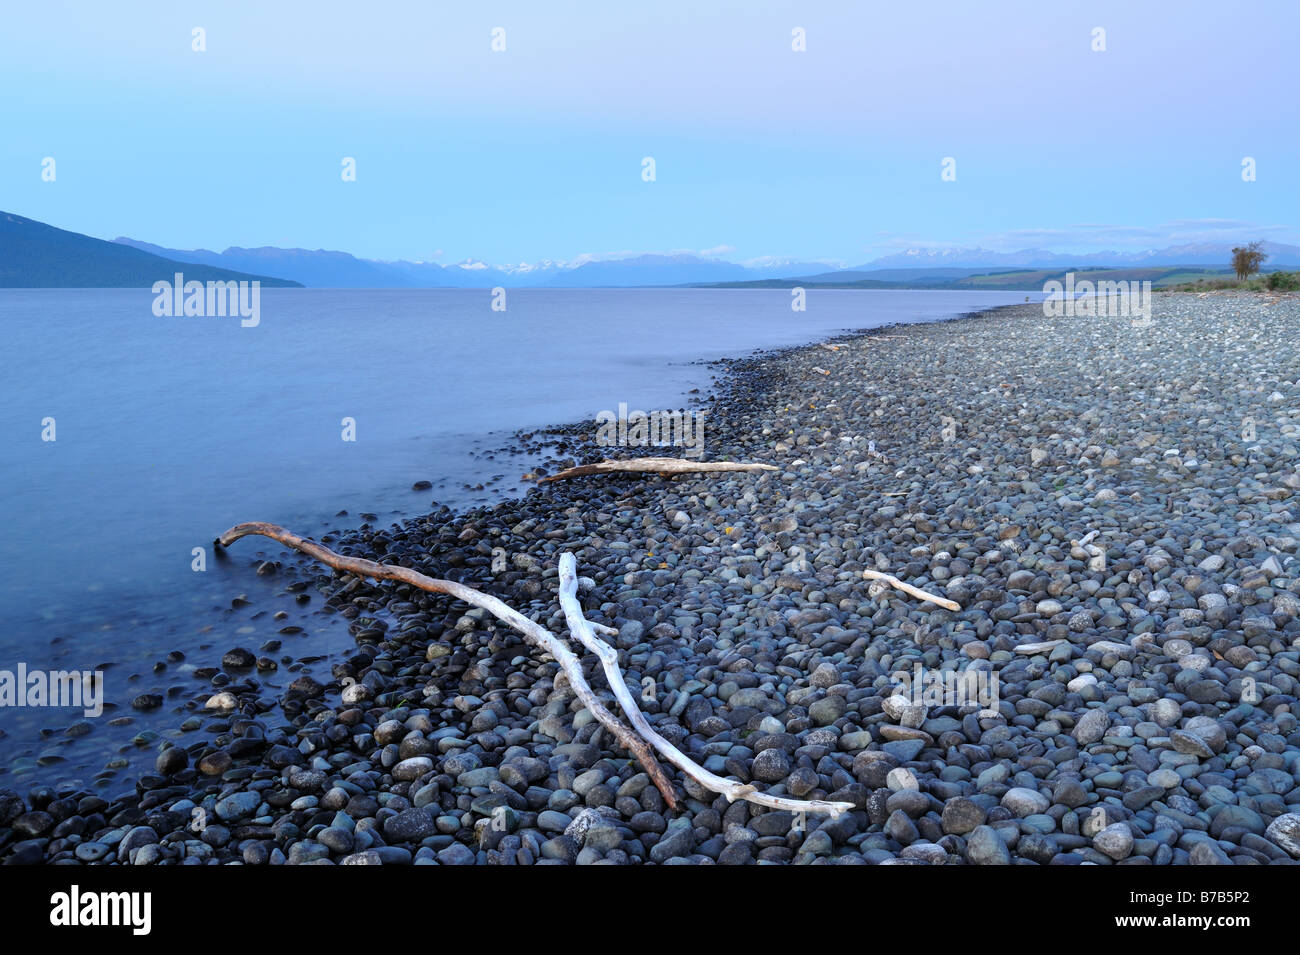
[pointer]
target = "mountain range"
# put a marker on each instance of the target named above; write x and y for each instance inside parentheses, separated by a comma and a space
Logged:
(34, 255)
(329, 269)
(923, 266)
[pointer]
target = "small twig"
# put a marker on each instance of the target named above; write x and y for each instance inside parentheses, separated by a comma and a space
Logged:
(656, 466)
(909, 589)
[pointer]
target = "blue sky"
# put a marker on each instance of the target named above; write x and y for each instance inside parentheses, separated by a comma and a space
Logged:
(536, 152)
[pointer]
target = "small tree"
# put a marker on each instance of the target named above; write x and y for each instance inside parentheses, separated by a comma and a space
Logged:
(1247, 260)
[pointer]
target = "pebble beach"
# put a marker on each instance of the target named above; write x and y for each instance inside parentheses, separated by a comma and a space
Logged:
(1114, 509)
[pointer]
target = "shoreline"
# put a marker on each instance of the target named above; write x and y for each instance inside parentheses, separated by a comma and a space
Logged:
(772, 661)
(152, 664)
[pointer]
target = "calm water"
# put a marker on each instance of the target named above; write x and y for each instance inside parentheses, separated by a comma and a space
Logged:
(169, 430)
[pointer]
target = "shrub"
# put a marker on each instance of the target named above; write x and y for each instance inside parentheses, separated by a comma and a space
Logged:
(1246, 260)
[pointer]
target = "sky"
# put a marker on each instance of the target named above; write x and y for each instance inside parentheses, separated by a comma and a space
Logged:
(536, 151)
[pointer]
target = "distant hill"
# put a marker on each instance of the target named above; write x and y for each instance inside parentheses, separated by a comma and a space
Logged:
(1036, 279)
(1216, 254)
(910, 276)
(1006, 280)
(36, 255)
(315, 269)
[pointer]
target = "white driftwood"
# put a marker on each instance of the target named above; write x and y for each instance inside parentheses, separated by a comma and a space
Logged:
(585, 631)
(1030, 649)
(656, 466)
(534, 632)
(909, 589)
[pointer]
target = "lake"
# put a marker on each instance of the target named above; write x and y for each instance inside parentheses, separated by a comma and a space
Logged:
(167, 430)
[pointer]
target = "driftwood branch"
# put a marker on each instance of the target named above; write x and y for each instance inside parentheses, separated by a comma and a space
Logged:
(909, 589)
(533, 631)
(656, 466)
(585, 631)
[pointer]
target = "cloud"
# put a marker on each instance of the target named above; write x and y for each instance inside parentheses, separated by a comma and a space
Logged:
(1213, 224)
(778, 261)
(586, 257)
(1083, 234)
(1097, 236)
(913, 240)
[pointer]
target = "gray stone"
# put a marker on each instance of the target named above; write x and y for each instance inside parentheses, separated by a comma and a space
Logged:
(1092, 726)
(237, 806)
(985, 847)
(961, 815)
(410, 825)
(413, 768)
(827, 710)
(1023, 802)
(771, 766)
(1285, 832)
(678, 841)
(1190, 744)
(1116, 841)
(904, 750)
(1236, 816)
(456, 854)
(1207, 853)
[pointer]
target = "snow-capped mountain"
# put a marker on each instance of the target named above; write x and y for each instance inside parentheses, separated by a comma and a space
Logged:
(326, 269)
